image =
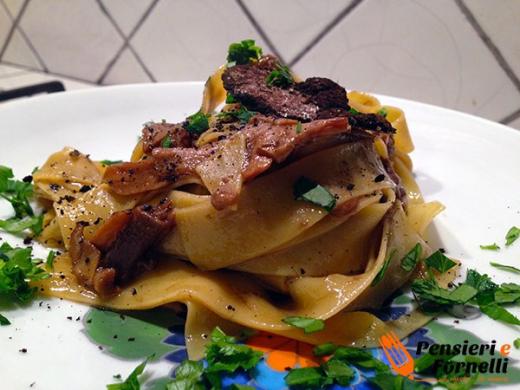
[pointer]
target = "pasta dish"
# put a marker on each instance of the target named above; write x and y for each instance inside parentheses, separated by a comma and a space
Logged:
(280, 200)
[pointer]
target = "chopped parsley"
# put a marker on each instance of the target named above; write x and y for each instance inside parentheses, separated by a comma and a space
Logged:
(18, 193)
(4, 321)
(308, 377)
(188, 375)
(504, 267)
(230, 99)
(383, 112)
(110, 162)
(380, 275)
(197, 123)
(308, 324)
(440, 262)
(280, 77)
(299, 127)
(497, 312)
(512, 235)
(167, 142)
(324, 349)
(132, 382)
(490, 247)
(49, 262)
(17, 269)
(310, 191)
(410, 260)
(516, 343)
(353, 111)
(243, 52)
(242, 114)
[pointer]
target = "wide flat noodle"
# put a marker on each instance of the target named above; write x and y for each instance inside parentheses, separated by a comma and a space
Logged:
(267, 215)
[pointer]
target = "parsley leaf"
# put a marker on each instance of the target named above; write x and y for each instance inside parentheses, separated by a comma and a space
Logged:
(360, 358)
(383, 112)
(504, 267)
(18, 193)
(308, 377)
(512, 235)
(490, 247)
(224, 355)
(49, 262)
(132, 382)
(324, 349)
(339, 371)
(428, 291)
(110, 162)
(167, 142)
(243, 52)
(310, 191)
(353, 111)
(410, 260)
(440, 262)
(516, 343)
(280, 77)
(197, 123)
(480, 282)
(238, 386)
(17, 269)
(242, 114)
(188, 375)
(308, 324)
(230, 99)
(499, 313)
(383, 269)
(4, 321)
(298, 127)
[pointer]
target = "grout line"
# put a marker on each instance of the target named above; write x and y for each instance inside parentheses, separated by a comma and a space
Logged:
(510, 118)
(260, 30)
(325, 31)
(143, 65)
(29, 68)
(126, 39)
(26, 39)
(13, 27)
(495, 51)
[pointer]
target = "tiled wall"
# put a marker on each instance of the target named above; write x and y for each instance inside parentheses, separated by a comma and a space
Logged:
(463, 54)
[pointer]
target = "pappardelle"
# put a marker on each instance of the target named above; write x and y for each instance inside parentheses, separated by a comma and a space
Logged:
(279, 199)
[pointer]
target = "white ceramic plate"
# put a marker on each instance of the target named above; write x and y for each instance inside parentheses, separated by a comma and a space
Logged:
(468, 163)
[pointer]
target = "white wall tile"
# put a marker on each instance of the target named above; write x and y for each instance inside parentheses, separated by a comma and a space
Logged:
(291, 25)
(18, 52)
(5, 25)
(14, 6)
(126, 70)
(188, 40)
(126, 12)
(423, 50)
(73, 37)
(501, 22)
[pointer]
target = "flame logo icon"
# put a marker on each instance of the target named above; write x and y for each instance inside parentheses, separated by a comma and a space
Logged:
(397, 354)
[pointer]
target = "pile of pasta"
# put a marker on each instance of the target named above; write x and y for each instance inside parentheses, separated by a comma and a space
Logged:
(270, 256)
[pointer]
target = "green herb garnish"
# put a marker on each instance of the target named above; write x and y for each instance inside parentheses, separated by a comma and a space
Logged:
(490, 247)
(4, 321)
(132, 382)
(188, 375)
(498, 313)
(383, 112)
(308, 324)
(280, 77)
(353, 111)
(383, 269)
(299, 127)
(310, 191)
(324, 349)
(440, 262)
(110, 162)
(230, 99)
(49, 262)
(308, 378)
(17, 269)
(242, 114)
(243, 52)
(197, 123)
(410, 260)
(516, 343)
(504, 267)
(167, 142)
(18, 193)
(512, 235)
